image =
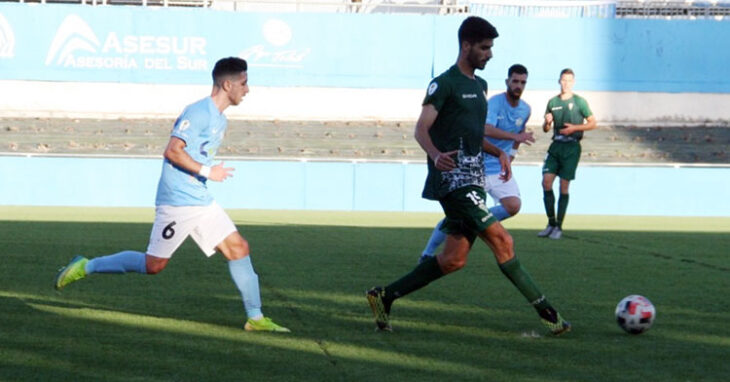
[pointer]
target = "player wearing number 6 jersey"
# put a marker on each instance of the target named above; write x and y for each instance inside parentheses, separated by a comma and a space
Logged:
(450, 130)
(185, 207)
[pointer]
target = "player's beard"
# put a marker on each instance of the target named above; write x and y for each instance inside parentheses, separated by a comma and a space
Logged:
(475, 60)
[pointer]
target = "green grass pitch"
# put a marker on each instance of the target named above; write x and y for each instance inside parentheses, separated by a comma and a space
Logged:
(185, 324)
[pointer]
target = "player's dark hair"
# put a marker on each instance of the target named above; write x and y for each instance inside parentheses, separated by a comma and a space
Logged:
(567, 71)
(475, 29)
(516, 68)
(229, 66)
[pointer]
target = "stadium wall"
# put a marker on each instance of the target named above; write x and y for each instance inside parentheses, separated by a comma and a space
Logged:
(113, 61)
(355, 186)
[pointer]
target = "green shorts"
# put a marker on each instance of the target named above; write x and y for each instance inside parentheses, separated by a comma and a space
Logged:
(562, 159)
(466, 212)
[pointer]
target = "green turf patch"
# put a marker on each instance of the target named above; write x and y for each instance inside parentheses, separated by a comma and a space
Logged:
(185, 324)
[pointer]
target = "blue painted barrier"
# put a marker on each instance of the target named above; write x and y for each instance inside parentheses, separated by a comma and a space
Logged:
(355, 186)
(179, 46)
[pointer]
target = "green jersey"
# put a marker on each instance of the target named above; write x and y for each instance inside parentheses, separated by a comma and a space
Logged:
(461, 103)
(573, 110)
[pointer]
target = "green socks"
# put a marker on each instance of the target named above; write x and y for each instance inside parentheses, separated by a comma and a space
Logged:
(522, 280)
(562, 207)
(549, 199)
(419, 277)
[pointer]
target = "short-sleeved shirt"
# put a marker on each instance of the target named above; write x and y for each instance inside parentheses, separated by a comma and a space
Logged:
(202, 126)
(461, 103)
(573, 110)
(504, 117)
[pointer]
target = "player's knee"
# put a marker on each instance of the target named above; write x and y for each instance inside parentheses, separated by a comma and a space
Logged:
(503, 243)
(513, 207)
(451, 264)
(155, 265)
(238, 249)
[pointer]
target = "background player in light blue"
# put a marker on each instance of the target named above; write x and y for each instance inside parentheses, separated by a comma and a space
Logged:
(505, 128)
(185, 207)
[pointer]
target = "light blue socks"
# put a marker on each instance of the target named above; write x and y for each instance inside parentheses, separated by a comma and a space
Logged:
(247, 282)
(122, 262)
(499, 212)
(437, 237)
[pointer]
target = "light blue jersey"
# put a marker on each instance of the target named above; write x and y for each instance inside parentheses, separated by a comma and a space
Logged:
(201, 125)
(504, 117)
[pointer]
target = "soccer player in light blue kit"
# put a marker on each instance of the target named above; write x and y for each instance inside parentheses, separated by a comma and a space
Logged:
(505, 128)
(185, 207)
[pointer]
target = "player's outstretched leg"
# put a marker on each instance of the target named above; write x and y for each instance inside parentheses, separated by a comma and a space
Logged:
(74, 271)
(522, 280)
(381, 298)
(380, 307)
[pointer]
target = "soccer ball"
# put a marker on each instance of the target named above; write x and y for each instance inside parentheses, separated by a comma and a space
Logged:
(635, 314)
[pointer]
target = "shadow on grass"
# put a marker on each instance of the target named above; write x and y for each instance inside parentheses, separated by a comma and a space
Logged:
(185, 323)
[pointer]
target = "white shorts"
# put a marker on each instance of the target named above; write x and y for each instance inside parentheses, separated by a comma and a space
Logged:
(499, 189)
(207, 225)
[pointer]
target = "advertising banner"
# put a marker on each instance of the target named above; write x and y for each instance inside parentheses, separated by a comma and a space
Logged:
(180, 46)
(77, 43)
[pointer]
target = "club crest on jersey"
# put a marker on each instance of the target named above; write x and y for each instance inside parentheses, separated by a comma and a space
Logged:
(432, 88)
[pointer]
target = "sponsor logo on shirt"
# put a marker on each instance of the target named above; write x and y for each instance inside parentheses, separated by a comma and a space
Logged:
(184, 125)
(432, 88)
(468, 96)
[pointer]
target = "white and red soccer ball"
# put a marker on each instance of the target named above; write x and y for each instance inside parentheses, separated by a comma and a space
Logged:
(635, 314)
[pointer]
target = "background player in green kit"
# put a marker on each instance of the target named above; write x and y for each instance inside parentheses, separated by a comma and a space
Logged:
(567, 112)
(451, 131)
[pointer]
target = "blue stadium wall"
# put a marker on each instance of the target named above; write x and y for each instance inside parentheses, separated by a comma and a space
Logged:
(73, 43)
(179, 46)
(355, 186)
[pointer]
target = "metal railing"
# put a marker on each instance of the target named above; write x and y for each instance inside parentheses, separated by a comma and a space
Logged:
(544, 8)
(668, 9)
(144, 3)
(674, 9)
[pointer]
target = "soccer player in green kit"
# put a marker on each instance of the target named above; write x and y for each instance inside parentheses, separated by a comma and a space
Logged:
(451, 131)
(567, 112)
